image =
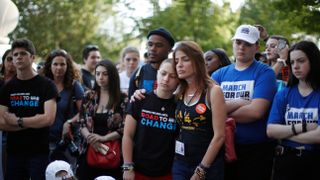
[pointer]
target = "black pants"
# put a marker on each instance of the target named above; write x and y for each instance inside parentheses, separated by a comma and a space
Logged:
(295, 165)
(254, 162)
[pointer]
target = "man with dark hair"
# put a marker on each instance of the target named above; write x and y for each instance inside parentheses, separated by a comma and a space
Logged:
(91, 56)
(159, 45)
(27, 109)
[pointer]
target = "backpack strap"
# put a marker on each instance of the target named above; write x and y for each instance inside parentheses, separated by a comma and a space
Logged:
(137, 77)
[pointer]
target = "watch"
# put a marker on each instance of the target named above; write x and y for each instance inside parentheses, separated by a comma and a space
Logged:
(283, 61)
(20, 122)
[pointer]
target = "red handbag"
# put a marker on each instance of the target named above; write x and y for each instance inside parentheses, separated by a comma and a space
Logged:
(230, 152)
(108, 156)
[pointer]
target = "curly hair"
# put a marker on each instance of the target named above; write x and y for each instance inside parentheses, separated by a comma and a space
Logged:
(71, 73)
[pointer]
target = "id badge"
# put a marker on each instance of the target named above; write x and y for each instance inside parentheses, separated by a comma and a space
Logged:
(180, 148)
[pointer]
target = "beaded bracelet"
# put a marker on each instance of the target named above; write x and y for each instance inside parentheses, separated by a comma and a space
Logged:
(200, 172)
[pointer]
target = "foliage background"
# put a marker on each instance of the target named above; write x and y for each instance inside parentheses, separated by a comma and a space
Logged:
(72, 24)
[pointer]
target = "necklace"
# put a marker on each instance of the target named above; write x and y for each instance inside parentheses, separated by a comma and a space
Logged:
(187, 107)
(164, 102)
(192, 96)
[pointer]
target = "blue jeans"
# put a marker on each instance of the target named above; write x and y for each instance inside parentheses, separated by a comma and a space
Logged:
(183, 171)
(24, 167)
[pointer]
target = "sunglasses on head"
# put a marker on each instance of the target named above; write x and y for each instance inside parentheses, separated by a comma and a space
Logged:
(92, 46)
(58, 52)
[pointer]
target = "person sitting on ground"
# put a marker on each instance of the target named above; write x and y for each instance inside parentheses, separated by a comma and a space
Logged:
(59, 169)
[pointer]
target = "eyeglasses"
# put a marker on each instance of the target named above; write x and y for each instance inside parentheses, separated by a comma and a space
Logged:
(21, 53)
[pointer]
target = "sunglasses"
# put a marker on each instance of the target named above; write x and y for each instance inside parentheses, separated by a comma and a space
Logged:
(92, 46)
(58, 52)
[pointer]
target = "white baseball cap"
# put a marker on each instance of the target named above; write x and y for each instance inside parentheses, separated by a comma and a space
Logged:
(247, 33)
(56, 166)
(104, 178)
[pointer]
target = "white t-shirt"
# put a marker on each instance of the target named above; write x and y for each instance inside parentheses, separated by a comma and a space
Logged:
(124, 81)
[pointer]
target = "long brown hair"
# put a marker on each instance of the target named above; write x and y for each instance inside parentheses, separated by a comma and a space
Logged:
(195, 53)
(114, 83)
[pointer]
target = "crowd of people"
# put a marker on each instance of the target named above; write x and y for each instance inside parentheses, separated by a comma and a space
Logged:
(173, 127)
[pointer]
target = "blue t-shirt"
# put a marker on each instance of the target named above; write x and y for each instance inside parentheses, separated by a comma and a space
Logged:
(289, 106)
(62, 107)
(256, 81)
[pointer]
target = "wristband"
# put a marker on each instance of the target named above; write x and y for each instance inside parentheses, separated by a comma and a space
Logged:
(20, 122)
(128, 167)
(293, 129)
(304, 125)
(203, 167)
(283, 61)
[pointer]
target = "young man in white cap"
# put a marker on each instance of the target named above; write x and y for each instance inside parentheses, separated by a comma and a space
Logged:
(59, 169)
(249, 87)
(104, 178)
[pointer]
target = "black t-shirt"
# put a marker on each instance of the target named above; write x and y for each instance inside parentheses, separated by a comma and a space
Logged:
(155, 135)
(26, 98)
(146, 79)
